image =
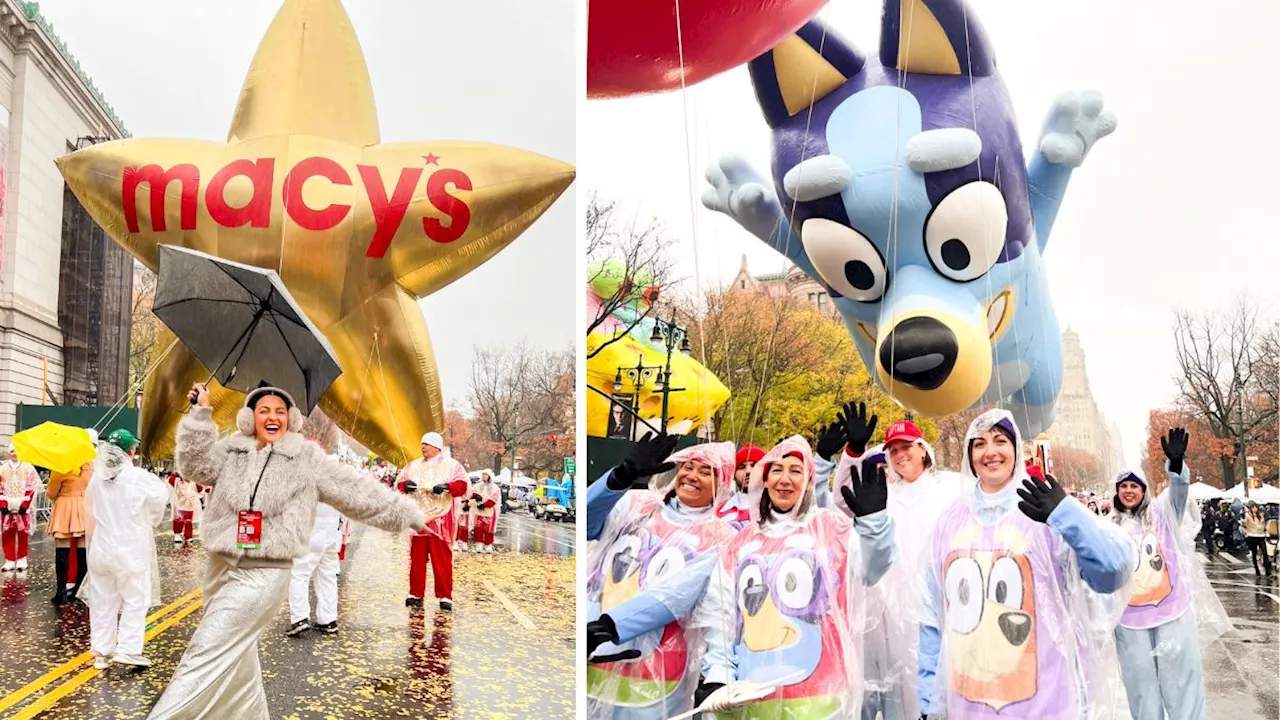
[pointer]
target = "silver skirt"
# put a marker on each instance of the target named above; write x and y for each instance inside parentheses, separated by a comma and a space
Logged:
(219, 675)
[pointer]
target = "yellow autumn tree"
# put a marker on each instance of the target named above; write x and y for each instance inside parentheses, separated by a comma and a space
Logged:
(788, 365)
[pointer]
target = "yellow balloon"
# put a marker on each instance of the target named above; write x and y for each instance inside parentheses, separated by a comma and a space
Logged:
(358, 231)
(702, 396)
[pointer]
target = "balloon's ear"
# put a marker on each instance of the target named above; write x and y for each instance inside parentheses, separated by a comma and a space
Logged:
(801, 70)
(934, 37)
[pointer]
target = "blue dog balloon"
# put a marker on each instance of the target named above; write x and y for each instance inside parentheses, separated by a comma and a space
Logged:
(904, 177)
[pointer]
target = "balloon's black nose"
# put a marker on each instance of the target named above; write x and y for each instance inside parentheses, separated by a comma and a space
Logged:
(920, 352)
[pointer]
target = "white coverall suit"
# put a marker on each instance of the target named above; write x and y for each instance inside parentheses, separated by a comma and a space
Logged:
(322, 564)
(127, 503)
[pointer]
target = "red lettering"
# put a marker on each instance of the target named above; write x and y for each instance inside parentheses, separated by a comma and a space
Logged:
(305, 216)
(387, 214)
(456, 210)
(258, 210)
(158, 179)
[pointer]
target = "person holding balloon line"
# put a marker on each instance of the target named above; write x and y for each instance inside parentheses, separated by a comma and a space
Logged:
(435, 482)
(267, 482)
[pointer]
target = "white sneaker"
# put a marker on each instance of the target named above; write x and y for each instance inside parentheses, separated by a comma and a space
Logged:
(22, 564)
(9, 565)
(177, 539)
(446, 604)
(101, 662)
(457, 546)
(134, 660)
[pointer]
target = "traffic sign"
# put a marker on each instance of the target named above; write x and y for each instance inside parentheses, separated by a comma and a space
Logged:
(570, 466)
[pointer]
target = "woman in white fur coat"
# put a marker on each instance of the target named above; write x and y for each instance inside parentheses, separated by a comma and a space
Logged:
(267, 467)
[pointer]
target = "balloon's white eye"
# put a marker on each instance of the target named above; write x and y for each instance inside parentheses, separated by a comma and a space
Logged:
(965, 233)
(666, 564)
(623, 558)
(750, 582)
(795, 583)
(964, 595)
(846, 260)
(1005, 585)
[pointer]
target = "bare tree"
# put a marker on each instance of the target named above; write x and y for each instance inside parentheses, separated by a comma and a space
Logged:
(1223, 377)
(144, 328)
(949, 449)
(520, 394)
(641, 264)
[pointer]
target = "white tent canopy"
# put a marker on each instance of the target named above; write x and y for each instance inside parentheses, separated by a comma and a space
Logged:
(1264, 494)
(1203, 491)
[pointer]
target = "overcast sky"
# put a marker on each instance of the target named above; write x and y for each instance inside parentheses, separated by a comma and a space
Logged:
(499, 71)
(1176, 209)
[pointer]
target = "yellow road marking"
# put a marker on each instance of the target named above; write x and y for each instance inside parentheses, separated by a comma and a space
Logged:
(50, 698)
(44, 680)
(510, 606)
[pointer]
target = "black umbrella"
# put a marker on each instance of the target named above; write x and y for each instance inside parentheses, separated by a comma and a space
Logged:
(241, 321)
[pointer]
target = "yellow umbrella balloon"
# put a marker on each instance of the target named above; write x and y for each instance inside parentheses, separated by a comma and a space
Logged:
(702, 396)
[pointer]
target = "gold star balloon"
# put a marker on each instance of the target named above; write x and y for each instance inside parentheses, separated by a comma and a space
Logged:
(357, 230)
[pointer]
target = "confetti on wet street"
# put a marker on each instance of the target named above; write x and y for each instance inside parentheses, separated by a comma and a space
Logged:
(506, 651)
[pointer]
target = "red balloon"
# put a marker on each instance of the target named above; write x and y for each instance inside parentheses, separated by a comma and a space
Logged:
(632, 47)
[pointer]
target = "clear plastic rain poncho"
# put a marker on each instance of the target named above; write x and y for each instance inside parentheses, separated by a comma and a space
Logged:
(1172, 612)
(124, 504)
(1017, 620)
(785, 606)
(648, 568)
(892, 627)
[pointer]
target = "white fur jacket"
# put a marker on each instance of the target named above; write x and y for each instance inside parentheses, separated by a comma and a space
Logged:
(298, 475)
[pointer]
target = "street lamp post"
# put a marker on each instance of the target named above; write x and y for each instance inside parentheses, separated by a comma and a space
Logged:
(1244, 478)
(637, 376)
(667, 336)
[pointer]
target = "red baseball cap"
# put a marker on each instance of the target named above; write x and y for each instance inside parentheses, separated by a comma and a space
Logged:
(748, 453)
(902, 430)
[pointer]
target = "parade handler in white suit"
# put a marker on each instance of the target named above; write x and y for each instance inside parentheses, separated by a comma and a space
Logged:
(321, 564)
(125, 504)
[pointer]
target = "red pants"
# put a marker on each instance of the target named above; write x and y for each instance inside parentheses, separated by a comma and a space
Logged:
(15, 544)
(484, 530)
(461, 535)
(182, 523)
(424, 548)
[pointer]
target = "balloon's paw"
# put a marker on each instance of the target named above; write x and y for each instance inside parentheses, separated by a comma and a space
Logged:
(1076, 121)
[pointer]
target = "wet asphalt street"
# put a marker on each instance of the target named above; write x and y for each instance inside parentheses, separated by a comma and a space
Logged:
(1242, 670)
(505, 651)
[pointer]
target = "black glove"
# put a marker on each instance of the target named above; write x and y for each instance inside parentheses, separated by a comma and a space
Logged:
(599, 632)
(5, 510)
(830, 440)
(22, 510)
(644, 461)
(440, 488)
(858, 428)
(410, 486)
(704, 691)
(475, 497)
(1175, 448)
(870, 492)
(1039, 499)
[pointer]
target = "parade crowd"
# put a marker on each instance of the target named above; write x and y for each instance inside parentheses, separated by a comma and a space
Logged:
(274, 511)
(843, 581)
